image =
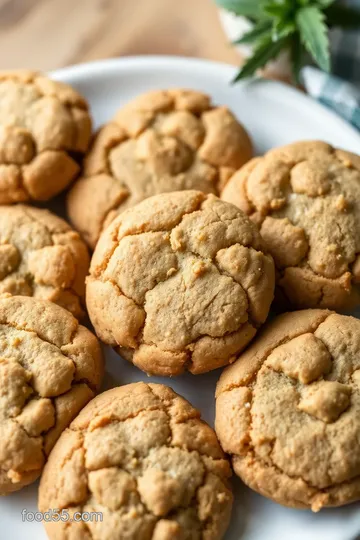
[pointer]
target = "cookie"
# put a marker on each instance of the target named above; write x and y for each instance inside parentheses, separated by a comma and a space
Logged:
(162, 141)
(288, 411)
(180, 282)
(306, 199)
(44, 126)
(141, 456)
(50, 367)
(41, 256)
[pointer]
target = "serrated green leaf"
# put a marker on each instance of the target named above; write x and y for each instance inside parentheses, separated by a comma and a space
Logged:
(266, 51)
(275, 10)
(342, 16)
(296, 55)
(261, 30)
(314, 35)
(245, 8)
(283, 29)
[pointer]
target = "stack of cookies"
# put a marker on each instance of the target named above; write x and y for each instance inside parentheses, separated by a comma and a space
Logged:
(193, 240)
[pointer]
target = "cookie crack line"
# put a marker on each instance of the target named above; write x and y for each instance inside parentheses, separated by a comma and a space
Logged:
(163, 406)
(221, 272)
(39, 102)
(251, 383)
(114, 420)
(261, 215)
(195, 499)
(152, 123)
(116, 241)
(286, 339)
(31, 331)
(292, 165)
(321, 276)
(187, 349)
(170, 226)
(32, 218)
(51, 234)
(108, 169)
(86, 381)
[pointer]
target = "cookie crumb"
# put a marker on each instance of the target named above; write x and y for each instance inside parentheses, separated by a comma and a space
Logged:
(341, 203)
(199, 268)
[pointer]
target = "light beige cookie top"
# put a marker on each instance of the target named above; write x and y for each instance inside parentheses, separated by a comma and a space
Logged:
(50, 367)
(41, 256)
(180, 281)
(141, 456)
(162, 141)
(288, 411)
(43, 125)
(306, 199)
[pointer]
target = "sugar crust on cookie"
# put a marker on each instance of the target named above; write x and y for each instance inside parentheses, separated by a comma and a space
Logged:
(50, 367)
(41, 256)
(44, 124)
(141, 455)
(288, 410)
(180, 281)
(164, 140)
(305, 198)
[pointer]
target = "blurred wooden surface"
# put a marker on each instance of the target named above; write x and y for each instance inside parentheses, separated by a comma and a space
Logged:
(47, 34)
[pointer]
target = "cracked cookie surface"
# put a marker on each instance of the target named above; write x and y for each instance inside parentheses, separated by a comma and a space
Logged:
(41, 256)
(180, 281)
(43, 124)
(288, 410)
(161, 141)
(306, 199)
(140, 455)
(50, 367)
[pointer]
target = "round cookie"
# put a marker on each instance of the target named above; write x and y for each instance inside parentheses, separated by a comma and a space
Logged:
(162, 141)
(50, 367)
(288, 411)
(306, 199)
(41, 256)
(180, 282)
(43, 125)
(140, 455)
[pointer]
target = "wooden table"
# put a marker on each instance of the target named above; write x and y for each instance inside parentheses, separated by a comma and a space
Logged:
(47, 34)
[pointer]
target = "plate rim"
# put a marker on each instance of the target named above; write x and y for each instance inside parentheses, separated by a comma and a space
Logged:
(82, 71)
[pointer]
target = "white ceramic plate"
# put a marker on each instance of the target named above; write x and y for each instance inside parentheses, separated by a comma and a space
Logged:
(274, 114)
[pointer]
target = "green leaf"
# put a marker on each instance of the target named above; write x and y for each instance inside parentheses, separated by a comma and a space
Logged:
(245, 8)
(265, 52)
(296, 56)
(324, 3)
(275, 10)
(314, 35)
(343, 16)
(283, 29)
(260, 30)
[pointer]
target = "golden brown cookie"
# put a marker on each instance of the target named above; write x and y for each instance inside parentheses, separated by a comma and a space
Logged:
(44, 124)
(306, 199)
(50, 367)
(288, 411)
(141, 456)
(161, 141)
(41, 256)
(180, 281)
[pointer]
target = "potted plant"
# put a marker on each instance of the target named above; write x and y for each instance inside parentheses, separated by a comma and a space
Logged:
(280, 35)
